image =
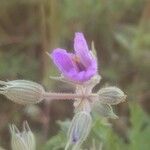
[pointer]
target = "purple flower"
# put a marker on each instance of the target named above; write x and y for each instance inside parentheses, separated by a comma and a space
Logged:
(79, 66)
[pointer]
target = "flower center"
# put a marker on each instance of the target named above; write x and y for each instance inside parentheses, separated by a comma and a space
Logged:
(79, 65)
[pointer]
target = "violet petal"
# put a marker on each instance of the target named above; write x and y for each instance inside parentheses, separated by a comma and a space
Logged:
(81, 49)
(62, 60)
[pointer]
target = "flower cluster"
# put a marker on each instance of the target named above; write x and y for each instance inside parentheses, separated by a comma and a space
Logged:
(79, 68)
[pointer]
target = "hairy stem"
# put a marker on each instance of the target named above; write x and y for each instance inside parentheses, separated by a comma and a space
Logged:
(67, 96)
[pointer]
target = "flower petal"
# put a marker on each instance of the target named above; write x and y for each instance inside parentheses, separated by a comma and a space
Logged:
(79, 77)
(80, 44)
(83, 52)
(62, 60)
(81, 48)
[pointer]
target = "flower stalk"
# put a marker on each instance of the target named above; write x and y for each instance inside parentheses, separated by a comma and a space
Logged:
(67, 96)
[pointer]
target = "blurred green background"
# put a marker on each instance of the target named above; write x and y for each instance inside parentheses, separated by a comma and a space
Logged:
(120, 30)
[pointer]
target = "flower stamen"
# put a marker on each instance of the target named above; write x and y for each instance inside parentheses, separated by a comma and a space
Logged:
(78, 63)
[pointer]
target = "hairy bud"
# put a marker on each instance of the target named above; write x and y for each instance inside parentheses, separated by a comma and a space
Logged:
(22, 91)
(79, 129)
(111, 95)
(22, 140)
(104, 110)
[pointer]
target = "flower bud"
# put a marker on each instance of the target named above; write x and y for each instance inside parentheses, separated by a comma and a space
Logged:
(104, 110)
(111, 95)
(79, 128)
(22, 91)
(22, 140)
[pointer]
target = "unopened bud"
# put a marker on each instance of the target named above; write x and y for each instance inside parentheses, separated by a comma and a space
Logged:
(111, 95)
(79, 129)
(104, 110)
(22, 140)
(22, 91)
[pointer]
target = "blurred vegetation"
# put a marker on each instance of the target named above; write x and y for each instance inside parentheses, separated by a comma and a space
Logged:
(121, 33)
